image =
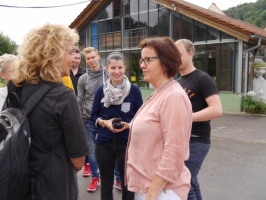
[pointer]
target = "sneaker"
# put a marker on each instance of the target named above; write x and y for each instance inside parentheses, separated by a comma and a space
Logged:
(86, 170)
(94, 184)
(118, 185)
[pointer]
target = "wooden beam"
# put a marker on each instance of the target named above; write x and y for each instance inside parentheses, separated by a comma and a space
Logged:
(89, 12)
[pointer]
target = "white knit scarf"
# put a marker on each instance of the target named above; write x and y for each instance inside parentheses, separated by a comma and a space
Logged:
(115, 95)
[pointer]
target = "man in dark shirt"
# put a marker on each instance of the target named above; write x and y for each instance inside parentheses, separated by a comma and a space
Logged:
(76, 70)
(206, 105)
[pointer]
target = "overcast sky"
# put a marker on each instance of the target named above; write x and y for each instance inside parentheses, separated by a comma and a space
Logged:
(16, 22)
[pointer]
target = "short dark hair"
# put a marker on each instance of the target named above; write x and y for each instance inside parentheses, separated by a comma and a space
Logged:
(115, 55)
(166, 51)
(76, 49)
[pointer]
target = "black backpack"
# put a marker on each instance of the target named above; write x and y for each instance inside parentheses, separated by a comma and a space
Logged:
(15, 142)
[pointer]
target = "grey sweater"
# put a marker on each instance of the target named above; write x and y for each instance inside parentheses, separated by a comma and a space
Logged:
(88, 83)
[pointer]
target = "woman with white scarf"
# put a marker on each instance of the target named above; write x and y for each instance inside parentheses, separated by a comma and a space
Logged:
(117, 98)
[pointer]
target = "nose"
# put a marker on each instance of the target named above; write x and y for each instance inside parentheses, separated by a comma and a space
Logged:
(117, 70)
(142, 64)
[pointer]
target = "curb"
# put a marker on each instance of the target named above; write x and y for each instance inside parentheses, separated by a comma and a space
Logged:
(244, 113)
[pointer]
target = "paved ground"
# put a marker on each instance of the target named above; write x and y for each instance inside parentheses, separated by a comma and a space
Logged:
(235, 166)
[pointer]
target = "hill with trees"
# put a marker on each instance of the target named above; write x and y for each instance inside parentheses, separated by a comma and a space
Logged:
(253, 13)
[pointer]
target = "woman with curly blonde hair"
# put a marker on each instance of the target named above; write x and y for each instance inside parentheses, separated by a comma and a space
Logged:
(55, 123)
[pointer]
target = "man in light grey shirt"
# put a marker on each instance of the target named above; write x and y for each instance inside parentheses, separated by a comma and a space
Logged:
(88, 83)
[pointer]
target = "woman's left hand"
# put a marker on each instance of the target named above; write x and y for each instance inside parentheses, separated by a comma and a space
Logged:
(126, 126)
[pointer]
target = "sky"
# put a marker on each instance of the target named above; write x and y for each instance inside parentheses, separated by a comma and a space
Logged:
(16, 22)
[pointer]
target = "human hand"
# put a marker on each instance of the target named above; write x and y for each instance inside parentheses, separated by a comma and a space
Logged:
(118, 130)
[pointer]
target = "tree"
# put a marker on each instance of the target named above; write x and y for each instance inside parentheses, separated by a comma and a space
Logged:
(258, 21)
(253, 13)
(7, 45)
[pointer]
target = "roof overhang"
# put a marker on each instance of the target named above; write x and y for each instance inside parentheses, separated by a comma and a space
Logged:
(223, 23)
(89, 12)
(237, 28)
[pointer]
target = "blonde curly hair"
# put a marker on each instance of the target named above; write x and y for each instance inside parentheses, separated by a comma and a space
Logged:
(42, 52)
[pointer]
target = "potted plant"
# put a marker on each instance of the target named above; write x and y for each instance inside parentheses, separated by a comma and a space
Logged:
(252, 105)
(259, 68)
(258, 64)
(249, 104)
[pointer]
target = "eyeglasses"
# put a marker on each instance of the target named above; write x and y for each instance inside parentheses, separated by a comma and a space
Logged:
(71, 51)
(147, 60)
(8, 71)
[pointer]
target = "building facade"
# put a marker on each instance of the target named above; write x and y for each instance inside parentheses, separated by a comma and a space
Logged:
(223, 49)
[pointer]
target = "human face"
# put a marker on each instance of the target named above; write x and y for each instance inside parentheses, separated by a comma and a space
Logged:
(152, 70)
(116, 70)
(186, 57)
(68, 60)
(92, 59)
(77, 60)
(8, 73)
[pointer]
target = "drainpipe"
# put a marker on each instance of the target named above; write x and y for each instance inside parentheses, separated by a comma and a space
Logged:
(246, 61)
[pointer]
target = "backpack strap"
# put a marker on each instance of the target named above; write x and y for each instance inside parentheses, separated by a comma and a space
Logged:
(14, 94)
(13, 100)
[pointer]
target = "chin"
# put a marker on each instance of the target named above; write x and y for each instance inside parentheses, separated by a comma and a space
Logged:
(65, 74)
(146, 79)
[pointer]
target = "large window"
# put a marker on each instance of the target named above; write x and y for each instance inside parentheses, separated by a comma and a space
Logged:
(94, 34)
(82, 39)
(187, 28)
(163, 22)
(134, 6)
(213, 34)
(176, 27)
(126, 27)
(200, 31)
(225, 65)
(153, 22)
(122, 24)
(218, 61)
(126, 7)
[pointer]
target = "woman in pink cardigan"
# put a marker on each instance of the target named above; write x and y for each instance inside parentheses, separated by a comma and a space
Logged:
(159, 133)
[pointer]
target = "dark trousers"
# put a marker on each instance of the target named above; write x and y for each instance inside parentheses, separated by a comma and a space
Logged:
(106, 156)
(198, 152)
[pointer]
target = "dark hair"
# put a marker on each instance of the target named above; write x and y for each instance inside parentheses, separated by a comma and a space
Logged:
(166, 51)
(115, 55)
(76, 49)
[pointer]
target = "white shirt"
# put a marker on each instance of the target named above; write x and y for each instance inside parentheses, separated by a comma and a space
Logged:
(3, 94)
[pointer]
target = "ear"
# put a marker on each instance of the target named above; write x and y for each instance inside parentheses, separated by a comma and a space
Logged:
(125, 67)
(191, 53)
(2, 75)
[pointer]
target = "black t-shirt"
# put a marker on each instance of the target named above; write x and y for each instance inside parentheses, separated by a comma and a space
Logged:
(199, 85)
(75, 78)
(56, 121)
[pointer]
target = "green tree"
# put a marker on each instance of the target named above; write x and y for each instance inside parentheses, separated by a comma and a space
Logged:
(253, 13)
(248, 15)
(7, 45)
(258, 21)
(263, 15)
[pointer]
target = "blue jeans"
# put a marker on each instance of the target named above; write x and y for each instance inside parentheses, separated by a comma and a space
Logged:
(92, 132)
(198, 152)
(117, 176)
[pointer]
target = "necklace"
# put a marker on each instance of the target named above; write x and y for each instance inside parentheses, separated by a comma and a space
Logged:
(158, 91)
(162, 87)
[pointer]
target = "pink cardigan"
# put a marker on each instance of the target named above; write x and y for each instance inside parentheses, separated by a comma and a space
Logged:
(159, 142)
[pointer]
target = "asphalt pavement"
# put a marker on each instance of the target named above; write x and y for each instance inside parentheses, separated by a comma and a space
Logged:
(234, 169)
